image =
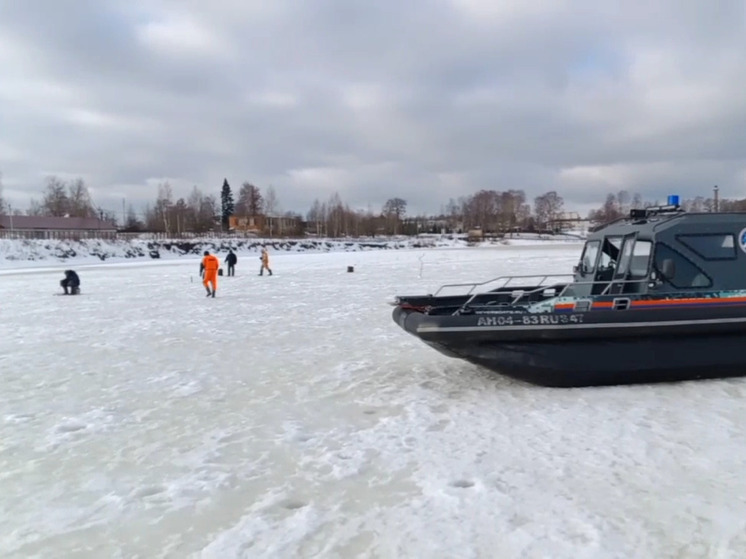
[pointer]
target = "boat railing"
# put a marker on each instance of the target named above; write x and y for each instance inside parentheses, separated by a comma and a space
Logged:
(562, 288)
(505, 281)
(608, 284)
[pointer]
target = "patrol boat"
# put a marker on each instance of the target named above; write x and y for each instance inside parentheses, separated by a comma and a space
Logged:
(659, 295)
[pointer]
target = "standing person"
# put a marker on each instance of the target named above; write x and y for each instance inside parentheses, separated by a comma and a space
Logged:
(265, 262)
(231, 260)
(210, 265)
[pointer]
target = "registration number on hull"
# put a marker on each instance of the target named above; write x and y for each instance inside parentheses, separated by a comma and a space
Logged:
(530, 320)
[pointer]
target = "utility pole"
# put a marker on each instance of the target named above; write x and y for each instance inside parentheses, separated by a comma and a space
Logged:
(717, 201)
(124, 215)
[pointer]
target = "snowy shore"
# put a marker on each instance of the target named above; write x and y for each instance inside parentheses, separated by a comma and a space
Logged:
(25, 253)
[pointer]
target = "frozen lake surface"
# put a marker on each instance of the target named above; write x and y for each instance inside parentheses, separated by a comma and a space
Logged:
(290, 417)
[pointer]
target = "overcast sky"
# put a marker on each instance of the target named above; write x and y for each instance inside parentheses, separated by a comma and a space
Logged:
(424, 100)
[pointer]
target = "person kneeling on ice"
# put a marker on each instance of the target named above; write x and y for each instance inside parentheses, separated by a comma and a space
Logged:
(210, 265)
(71, 283)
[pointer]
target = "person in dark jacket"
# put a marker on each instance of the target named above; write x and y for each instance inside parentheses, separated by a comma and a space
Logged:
(231, 261)
(71, 283)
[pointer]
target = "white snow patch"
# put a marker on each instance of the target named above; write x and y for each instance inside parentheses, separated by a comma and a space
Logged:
(290, 417)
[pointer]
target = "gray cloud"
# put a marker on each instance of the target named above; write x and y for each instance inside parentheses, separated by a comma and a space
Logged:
(423, 100)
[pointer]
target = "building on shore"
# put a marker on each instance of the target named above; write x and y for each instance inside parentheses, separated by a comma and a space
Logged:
(43, 227)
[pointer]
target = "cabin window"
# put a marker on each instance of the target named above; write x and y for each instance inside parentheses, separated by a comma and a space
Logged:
(609, 252)
(588, 260)
(711, 246)
(638, 266)
(623, 263)
(686, 274)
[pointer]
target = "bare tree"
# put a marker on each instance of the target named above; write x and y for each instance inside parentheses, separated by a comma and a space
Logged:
(55, 201)
(512, 210)
(481, 210)
(454, 214)
(394, 211)
(152, 220)
(636, 201)
(724, 205)
(209, 212)
(35, 208)
(623, 201)
(271, 204)
(334, 216)
(316, 217)
(249, 200)
(107, 216)
(695, 205)
(272, 211)
(194, 204)
(163, 205)
(609, 211)
(79, 200)
(547, 208)
(131, 223)
(198, 213)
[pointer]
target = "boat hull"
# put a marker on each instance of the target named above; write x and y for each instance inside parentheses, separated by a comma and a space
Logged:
(595, 349)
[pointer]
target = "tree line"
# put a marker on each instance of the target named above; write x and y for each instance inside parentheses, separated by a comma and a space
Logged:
(619, 204)
(200, 212)
(66, 198)
(489, 210)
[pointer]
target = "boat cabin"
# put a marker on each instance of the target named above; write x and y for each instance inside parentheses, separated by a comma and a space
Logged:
(663, 249)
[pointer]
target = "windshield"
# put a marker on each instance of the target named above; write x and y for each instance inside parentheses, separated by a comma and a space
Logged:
(588, 260)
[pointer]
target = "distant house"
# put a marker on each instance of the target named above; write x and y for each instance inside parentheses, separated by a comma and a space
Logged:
(40, 227)
(266, 225)
(253, 224)
(475, 235)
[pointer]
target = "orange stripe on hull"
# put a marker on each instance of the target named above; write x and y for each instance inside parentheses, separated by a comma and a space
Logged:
(660, 302)
(684, 302)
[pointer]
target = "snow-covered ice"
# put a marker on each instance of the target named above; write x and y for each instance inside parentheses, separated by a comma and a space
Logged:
(290, 417)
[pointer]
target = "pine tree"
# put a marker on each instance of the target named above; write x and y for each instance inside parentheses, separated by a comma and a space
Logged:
(226, 204)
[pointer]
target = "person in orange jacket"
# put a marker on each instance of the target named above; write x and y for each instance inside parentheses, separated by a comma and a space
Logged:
(209, 266)
(265, 262)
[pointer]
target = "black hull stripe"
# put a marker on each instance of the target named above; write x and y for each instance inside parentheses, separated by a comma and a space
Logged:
(587, 326)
